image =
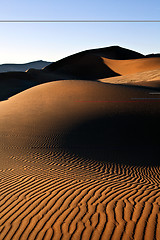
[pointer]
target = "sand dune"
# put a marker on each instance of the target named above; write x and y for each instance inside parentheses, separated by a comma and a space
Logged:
(12, 83)
(113, 52)
(103, 63)
(87, 66)
(92, 65)
(86, 165)
(80, 158)
(124, 67)
(145, 79)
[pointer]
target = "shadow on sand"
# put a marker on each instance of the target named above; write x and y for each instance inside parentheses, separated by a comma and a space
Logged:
(124, 139)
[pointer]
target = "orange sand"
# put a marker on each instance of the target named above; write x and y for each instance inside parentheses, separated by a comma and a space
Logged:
(80, 159)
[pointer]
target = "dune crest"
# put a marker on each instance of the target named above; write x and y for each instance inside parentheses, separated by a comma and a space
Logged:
(124, 67)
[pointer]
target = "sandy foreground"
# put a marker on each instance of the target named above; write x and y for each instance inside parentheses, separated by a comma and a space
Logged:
(80, 159)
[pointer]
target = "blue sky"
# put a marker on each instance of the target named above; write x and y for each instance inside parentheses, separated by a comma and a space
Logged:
(84, 9)
(24, 42)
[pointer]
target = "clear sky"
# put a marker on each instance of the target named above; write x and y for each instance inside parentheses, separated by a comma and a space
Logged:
(24, 42)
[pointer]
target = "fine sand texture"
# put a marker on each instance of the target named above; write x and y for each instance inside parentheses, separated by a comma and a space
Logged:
(150, 79)
(79, 159)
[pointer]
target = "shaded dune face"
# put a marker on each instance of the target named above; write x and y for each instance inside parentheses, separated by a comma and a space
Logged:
(12, 83)
(123, 139)
(95, 120)
(84, 67)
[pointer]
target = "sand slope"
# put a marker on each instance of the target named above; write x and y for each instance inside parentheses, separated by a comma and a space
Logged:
(124, 67)
(12, 83)
(79, 161)
(145, 79)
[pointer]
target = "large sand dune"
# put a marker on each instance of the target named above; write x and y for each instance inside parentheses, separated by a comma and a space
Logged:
(80, 159)
(101, 63)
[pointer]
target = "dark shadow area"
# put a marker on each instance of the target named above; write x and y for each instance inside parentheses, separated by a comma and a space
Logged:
(12, 83)
(11, 86)
(82, 67)
(124, 139)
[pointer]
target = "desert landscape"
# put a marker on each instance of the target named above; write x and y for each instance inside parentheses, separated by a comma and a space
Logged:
(79, 148)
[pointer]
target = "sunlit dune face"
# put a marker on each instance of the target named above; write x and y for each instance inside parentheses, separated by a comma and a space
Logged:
(124, 67)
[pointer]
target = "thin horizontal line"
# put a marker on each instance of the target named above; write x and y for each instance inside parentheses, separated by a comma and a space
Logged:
(145, 98)
(78, 21)
(155, 93)
(129, 101)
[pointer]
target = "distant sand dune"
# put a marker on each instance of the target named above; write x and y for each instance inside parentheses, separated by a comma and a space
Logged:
(23, 67)
(94, 67)
(54, 186)
(113, 52)
(124, 67)
(91, 65)
(145, 79)
(101, 63)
